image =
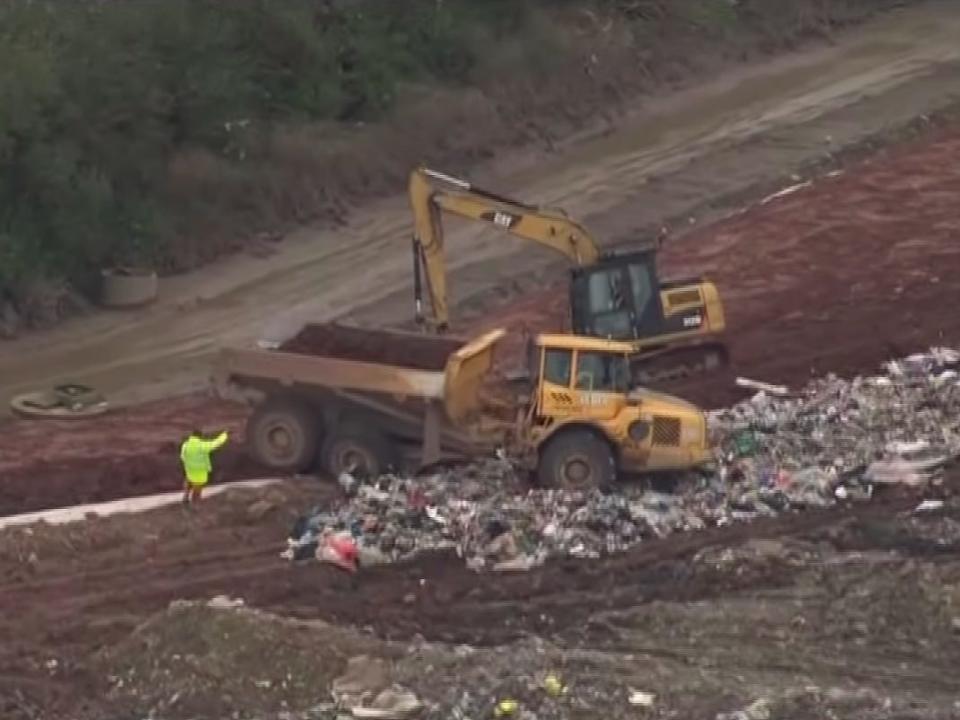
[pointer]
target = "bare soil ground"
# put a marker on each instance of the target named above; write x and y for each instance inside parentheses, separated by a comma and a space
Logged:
(125, 453)
(846, 607)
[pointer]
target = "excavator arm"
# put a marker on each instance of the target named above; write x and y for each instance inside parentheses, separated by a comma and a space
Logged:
(671, 325)
(433, 193)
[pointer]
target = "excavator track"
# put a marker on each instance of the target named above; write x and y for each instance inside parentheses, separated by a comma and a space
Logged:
(653, 366)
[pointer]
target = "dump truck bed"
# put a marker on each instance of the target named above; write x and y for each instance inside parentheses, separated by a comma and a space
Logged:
(414, 351)
(342, 366)
(405, 386)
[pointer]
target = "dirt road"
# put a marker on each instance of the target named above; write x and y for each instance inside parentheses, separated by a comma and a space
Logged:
(676, 155)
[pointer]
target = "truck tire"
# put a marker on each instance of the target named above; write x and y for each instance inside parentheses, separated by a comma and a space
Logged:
(283, 434)
(366, 448)
(577, 460)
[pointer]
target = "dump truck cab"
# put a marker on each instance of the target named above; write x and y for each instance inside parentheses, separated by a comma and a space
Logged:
(587, 423)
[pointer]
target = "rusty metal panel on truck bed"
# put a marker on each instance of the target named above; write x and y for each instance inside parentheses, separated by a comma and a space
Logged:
(466, 370)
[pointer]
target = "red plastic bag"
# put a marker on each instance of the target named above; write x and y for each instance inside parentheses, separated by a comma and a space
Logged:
(339, 550)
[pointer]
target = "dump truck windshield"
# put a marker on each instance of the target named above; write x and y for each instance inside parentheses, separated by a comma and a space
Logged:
(603, 372)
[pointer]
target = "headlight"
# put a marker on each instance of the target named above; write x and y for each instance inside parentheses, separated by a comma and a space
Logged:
(694, 433)
(638, 430)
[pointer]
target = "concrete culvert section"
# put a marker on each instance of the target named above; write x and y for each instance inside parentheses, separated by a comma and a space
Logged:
(125, 288)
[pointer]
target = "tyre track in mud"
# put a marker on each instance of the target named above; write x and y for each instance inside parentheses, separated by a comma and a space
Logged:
(452, 603)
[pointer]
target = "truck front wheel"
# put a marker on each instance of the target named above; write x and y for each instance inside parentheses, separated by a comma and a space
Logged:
(577, 460)
(282, 433)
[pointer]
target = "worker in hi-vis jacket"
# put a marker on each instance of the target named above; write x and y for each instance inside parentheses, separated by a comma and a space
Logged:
(195, 456)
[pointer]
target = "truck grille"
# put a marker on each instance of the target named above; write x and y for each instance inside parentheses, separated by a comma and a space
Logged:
(666, 431)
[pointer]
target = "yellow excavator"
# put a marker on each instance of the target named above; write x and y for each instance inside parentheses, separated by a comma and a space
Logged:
(672, 325)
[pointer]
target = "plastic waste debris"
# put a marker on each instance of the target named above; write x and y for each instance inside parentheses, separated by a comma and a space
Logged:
(554, 685)
(340, 550)
(779, 390)
(640, 698)
(347, 481)
(224, 602)
(394, 703)
(506, 708)
(929, 506)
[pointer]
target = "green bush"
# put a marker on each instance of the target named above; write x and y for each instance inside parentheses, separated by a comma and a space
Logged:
(97, 99)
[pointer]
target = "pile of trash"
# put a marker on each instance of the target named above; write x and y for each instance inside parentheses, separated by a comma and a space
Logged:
(486, 515)
(778, 452)
(838, 439)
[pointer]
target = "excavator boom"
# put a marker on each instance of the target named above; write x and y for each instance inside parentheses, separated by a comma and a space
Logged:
(433, 193)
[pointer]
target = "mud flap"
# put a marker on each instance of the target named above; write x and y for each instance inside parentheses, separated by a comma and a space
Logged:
(431, 433)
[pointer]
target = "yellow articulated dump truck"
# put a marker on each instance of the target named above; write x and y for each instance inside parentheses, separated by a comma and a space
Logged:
(369, 401)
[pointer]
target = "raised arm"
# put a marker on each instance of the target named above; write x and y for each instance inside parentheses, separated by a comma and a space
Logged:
(432, 193)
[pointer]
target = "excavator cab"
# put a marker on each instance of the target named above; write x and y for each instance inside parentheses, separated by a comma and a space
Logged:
(671, 324)
(618, 297)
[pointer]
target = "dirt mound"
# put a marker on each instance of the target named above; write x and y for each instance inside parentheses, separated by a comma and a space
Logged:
(194, 660)
(724, 623)
(29, 550)
(417, 351)
(845, 273)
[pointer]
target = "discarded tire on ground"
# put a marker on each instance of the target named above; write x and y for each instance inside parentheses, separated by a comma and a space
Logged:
(283, 434)
(128, 287)
(364, 451)
(577, 460)
(52, 404)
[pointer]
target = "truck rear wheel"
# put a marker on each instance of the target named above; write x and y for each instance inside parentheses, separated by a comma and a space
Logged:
(577, 460)
(283, 434)
(364, 449)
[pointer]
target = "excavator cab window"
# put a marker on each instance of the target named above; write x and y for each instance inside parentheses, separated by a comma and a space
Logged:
(609, 304)
(641, 287)
(617, 298)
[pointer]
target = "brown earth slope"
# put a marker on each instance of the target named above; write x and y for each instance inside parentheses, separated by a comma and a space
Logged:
(835, 277)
